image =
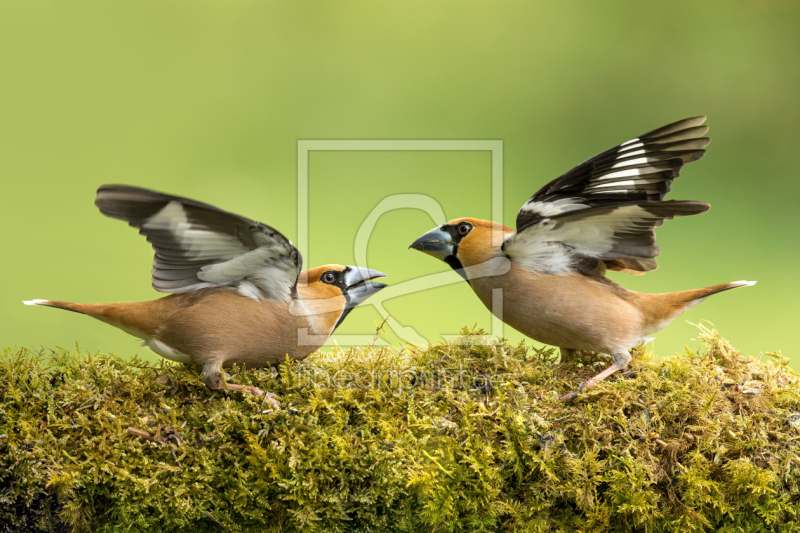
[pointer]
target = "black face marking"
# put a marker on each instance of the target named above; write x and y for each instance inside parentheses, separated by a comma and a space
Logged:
(452, 230)
(339, 282)
(456, 265)
(455, 231)
(343, 287)
(335, 278)
(346, 312)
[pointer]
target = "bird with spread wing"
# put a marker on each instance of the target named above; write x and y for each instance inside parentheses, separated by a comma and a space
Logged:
(238, 292)
(547, 278)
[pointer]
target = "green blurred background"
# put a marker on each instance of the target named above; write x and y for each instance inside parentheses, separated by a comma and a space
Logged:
(209, 99)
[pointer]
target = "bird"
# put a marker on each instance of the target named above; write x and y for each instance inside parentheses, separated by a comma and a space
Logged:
(548, 278)
(237, 291)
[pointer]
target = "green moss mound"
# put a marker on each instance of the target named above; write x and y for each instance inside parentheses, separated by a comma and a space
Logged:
(459, 437)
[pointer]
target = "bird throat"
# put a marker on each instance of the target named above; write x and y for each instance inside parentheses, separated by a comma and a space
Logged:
(456, 265)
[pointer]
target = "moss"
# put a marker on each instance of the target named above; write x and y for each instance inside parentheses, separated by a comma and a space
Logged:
(462, 437)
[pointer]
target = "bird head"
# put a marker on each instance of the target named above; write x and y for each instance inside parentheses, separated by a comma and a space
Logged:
(463, 242)
(328, 293)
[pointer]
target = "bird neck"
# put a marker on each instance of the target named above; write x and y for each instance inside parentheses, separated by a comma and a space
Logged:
(321, 311)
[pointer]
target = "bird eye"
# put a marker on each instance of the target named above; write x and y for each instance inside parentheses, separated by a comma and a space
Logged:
(328, 277)
(464, 228)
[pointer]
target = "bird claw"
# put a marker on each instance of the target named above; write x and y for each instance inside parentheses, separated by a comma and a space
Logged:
(574, 394)
(571, 396)
(269, 397)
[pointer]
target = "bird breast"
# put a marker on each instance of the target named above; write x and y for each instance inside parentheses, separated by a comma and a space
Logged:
(234, 329)
(569, 310)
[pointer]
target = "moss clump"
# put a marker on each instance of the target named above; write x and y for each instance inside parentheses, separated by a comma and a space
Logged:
(468, 437)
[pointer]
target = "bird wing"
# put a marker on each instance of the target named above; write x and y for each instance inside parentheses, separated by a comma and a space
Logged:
(640, 169)
(622, 236)
(197, 245)
(621, 191)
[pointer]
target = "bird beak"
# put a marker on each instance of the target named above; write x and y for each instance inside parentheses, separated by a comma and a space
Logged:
(359, 285)
(437, 242)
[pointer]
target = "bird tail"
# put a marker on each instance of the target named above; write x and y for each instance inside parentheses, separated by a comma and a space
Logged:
(682, 301)
(135, 318)
(67, 306)
(666, 307)
(694, 297)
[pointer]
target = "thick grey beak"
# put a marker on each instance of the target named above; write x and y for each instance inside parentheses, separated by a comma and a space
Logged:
(437, 242)
(359, 285)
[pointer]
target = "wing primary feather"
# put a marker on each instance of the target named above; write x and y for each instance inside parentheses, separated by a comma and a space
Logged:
(193, 239)
(641, 169)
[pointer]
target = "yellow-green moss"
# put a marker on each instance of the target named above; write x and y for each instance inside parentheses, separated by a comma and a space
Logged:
(468, 437)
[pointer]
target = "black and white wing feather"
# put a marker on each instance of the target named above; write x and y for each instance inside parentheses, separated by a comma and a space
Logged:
(603, 213)
(197, 245)
(640, 169)
(621, 236)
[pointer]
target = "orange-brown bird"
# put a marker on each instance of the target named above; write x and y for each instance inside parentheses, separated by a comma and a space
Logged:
(547, 279)
(238, 293)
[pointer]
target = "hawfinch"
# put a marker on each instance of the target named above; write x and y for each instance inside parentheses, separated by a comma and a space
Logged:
(547, 279)
(238, 295)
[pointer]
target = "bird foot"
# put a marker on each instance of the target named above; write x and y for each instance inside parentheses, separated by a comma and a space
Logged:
(254, 390)
(574, 394)
(268, 396)
(571, 396)
(586, 385)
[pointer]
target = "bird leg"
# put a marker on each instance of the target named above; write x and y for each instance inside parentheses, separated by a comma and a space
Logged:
(568, 355)
(621, 360)
(212, 377)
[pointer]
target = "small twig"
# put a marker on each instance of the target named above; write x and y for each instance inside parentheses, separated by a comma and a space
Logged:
(378, 331)
(175, 456)
(141, 433)
(217, 521)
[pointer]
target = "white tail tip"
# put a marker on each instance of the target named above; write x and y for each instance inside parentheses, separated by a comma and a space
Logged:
(743, 283)
(35, 302)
